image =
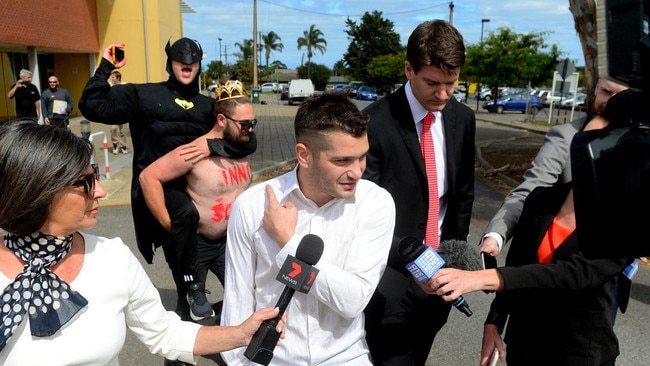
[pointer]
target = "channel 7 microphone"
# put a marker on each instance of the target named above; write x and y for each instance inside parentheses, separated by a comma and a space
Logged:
(423, 261)
(298, 275)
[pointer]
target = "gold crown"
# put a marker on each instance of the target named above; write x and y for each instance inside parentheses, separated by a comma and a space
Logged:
(230, 90)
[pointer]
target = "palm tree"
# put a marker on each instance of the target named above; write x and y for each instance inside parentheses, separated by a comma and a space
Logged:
(246, 50)
(312, 40)
(271, 43)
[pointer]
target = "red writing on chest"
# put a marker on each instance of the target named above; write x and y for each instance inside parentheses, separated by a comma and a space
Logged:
(221, 210)
(237, 175)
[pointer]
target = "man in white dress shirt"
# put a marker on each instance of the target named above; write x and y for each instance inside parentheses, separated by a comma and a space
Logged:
(324, 195)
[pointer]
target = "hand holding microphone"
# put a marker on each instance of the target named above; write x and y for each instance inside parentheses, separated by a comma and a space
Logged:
(297, 274)
(423, 262)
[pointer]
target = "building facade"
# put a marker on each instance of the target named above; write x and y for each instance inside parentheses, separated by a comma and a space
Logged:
(67, 38)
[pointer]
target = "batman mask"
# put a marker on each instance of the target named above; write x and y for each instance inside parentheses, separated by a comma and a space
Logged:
(184, 50)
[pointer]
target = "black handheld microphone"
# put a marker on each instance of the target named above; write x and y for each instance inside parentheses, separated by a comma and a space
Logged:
(423, 261)
(297, 274)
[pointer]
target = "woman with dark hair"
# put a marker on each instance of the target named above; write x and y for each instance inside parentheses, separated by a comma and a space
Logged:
(72, 294)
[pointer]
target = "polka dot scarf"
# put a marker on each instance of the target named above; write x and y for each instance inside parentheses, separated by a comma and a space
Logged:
(37, 291)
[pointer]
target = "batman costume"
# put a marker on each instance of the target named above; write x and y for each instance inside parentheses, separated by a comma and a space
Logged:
(161, 117)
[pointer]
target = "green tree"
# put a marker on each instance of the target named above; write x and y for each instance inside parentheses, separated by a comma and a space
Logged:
(506, 58)
(387, 70)
(312, 40)
(242, 70)
(215, 70)
(372, 37)
(245, 50)
(271, 42)
(320, 74)
(277, 64)
(339, 68)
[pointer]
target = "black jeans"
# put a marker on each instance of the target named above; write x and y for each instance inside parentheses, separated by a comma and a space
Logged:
(59, 122)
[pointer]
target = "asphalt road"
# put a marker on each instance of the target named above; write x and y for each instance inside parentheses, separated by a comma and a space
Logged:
(460, 340)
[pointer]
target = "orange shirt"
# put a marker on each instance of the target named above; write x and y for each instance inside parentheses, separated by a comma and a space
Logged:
(555, 235)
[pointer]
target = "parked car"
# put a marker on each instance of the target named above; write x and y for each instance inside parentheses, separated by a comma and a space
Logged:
(459, 95)
(514, 102)
(340, 88)
(546, 97)
(366, 93)
(484, 94)
(384, 89)
(269, 87)
(284, 91)
(352, 88)
(579, 101)
(299, 90)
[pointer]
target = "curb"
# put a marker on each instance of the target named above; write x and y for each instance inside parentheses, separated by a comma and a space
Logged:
(479, 157)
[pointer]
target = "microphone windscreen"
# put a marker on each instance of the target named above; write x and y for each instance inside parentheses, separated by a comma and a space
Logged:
(410, 248)
(459, 254)
(310, 249)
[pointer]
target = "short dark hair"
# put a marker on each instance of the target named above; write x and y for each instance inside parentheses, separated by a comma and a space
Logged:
(329, 112)
(435, 43)
(36, 163)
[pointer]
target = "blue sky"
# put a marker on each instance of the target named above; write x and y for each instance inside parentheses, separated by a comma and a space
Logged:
(232, 21)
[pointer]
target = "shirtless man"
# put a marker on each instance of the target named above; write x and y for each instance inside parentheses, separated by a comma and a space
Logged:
(213, 183)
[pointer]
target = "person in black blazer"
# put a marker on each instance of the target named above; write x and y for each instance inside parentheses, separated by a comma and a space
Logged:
(557, 301)
(558, 312)
(402, 320)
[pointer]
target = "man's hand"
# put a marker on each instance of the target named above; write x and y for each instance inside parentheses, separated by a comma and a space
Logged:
(490, 246)
(195, 151)
(491, 342)
(279, 219)
(252, 324)
(108, 54)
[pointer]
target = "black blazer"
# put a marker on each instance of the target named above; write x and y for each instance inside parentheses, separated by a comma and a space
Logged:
(395, 163)
(558, 313)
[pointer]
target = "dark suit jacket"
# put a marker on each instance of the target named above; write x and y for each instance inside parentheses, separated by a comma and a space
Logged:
(395, 163)
(558, 313)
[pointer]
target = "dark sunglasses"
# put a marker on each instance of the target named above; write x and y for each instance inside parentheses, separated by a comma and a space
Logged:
(245, 124)
(88, 181)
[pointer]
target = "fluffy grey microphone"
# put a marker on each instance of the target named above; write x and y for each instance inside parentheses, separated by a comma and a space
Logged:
(459, 254)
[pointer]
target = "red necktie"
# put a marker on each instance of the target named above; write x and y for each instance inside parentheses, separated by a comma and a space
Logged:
(429, 155)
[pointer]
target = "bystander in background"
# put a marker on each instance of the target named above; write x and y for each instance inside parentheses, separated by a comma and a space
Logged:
(56, 104)
(26, 95)
(118, 136)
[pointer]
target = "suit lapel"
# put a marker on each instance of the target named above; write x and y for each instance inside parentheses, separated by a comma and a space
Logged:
(449, 124)
(406, 127)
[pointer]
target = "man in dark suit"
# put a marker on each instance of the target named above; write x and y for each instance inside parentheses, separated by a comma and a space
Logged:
(402, 320)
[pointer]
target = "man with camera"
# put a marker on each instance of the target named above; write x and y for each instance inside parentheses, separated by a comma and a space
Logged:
(28, 99)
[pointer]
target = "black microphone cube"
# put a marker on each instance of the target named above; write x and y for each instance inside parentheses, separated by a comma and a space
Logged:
(260, 349)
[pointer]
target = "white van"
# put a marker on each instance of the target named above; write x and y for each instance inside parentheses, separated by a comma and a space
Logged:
(299, 90)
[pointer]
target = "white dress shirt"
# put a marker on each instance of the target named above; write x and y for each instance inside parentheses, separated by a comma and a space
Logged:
(325, 326)
(440, 148)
